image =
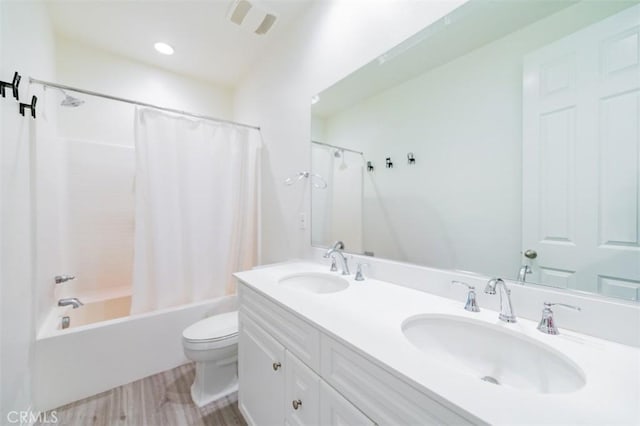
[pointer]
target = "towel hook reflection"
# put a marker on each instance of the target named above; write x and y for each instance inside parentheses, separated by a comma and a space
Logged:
(316, 180)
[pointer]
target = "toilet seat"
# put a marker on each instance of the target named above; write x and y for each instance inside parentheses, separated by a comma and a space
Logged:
(215, 331)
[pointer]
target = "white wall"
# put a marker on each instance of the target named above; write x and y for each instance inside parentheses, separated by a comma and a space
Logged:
(26, 41)
(85, 67)
(97, 140)
(330, 41)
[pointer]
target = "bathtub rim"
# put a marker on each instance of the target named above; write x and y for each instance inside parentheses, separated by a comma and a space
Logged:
(49, 329)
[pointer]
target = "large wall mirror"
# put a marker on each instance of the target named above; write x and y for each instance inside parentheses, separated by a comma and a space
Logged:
(503, 140)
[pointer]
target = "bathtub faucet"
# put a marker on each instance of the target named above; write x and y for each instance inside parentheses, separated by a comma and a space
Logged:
(73, 301)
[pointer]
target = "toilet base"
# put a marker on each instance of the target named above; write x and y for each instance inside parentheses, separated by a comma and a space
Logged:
(214, 380)
(201, 399)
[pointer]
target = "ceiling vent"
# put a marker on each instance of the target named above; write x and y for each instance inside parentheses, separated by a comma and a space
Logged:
(251, 16)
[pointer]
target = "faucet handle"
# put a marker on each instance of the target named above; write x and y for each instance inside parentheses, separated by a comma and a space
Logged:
(359, 275)
(333, 267)
(470, 287)
(547, 324)
(548, 305)
(59, 279)
(471, 304)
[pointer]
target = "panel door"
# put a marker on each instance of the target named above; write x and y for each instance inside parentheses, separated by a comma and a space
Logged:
(581, 159)
(335, 410)
(302, 394)
(261, 363)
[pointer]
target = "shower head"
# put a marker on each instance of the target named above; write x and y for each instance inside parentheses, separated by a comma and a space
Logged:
(337, 153)
(70, 101)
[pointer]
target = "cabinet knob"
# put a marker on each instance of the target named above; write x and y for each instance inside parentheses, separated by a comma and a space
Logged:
(531, 254)
(297, 404)
(276, 366)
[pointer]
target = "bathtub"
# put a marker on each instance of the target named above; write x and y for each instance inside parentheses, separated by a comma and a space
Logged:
(105, 347)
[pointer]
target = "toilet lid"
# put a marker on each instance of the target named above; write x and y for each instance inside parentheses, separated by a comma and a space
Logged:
(213, 328)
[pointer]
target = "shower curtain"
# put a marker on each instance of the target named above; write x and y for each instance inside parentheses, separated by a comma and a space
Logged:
(196, 219)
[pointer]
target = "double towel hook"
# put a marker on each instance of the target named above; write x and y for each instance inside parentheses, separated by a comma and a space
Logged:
(31, 106)
(13, 85)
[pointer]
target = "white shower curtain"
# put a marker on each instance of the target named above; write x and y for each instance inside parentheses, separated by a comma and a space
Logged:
(196, 218)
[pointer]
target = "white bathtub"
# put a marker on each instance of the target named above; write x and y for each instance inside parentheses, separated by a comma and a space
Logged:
(92, 312)
(104, 347)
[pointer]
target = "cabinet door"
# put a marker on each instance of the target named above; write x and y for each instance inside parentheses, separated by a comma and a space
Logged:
(335, 410)
(261, 362)
(302, 394)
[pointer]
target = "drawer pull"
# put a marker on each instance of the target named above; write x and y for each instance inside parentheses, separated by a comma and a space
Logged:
(297, 404)
(276, 366)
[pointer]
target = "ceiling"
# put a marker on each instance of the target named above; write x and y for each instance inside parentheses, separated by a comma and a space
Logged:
(207, 45)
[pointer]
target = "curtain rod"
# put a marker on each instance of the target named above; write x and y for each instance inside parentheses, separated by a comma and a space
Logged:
(338, 147)
(129, 101)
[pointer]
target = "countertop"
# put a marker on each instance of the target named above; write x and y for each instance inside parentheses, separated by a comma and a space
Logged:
(368, 316)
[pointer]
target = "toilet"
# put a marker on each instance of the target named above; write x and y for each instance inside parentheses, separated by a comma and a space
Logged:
(213, 344)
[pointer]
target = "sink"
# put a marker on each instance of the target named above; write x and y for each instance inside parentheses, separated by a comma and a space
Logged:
(491, 353)
(315, 282)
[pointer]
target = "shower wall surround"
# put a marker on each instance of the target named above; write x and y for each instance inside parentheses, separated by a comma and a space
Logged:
(97, 155)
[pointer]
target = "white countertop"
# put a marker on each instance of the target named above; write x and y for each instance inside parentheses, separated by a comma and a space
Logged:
(368, 316)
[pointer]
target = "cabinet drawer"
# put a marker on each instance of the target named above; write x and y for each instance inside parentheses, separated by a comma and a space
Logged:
(292, 332)
(383, 397)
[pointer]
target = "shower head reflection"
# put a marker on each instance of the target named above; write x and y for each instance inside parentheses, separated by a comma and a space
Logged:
(70, 101)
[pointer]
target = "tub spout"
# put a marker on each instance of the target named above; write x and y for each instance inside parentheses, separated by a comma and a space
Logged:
(73, 301)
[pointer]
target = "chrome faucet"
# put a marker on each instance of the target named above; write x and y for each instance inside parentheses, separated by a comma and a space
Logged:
(506, 309)
(522, 274)
(73, 301)
(336, 252)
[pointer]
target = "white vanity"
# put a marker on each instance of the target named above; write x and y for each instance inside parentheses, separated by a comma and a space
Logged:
(319, 348)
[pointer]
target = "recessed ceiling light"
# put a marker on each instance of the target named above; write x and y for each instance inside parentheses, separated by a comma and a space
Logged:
(163, 48)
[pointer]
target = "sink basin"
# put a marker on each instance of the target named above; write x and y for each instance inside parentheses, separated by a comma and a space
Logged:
(493, 354)
(315, 282)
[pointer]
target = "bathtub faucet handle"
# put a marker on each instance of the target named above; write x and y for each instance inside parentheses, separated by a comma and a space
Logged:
(64, 278)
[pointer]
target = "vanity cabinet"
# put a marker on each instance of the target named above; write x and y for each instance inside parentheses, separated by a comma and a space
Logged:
(291, 373)
(278, 388)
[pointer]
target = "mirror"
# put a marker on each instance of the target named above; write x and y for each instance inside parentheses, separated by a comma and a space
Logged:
(502, 140)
